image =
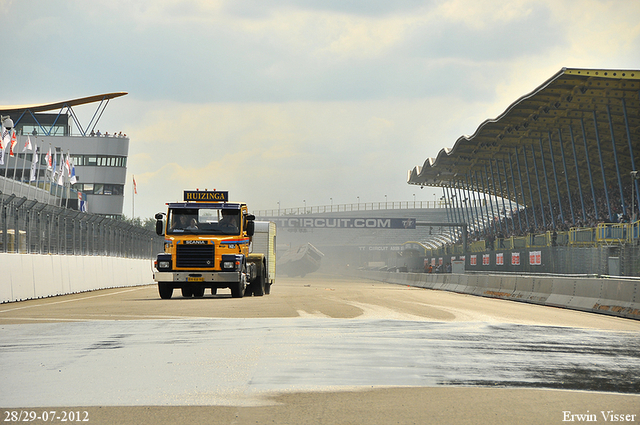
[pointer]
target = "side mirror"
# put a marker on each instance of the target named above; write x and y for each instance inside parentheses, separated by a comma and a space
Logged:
(251, 227)
(160, 227)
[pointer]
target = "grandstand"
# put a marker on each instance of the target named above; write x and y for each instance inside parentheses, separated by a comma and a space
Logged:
(559, 164)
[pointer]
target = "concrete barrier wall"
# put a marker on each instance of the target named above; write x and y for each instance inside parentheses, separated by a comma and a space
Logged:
(28, 276)
(617, 297)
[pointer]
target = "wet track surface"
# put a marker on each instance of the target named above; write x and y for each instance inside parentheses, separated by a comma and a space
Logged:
(324, 350)
(238, 361)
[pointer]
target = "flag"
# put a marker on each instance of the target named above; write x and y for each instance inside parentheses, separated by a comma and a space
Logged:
(14, 141)
(34, 163)
(67, 164)
(49, 159)
(27, 145)
(72, 176)
(61, 175)
(135, 187)
(82, 204)
(5, 139)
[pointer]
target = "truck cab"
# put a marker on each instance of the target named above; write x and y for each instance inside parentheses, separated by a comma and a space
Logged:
(207, 245)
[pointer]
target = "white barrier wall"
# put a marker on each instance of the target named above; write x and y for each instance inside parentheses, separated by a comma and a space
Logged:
(617, 297)
(28, 276)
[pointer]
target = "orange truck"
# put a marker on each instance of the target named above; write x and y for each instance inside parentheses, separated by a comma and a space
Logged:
(213, 243)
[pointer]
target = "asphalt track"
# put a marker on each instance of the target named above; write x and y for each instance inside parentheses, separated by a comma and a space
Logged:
(319, 350)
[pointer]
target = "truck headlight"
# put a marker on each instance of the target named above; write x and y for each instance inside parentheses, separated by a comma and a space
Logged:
(164, 264)
(231, 262)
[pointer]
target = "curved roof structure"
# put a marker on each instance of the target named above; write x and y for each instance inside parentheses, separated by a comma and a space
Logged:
(566, 128)
(43, 107)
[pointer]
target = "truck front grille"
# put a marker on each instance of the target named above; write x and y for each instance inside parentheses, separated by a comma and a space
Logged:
(199, 256)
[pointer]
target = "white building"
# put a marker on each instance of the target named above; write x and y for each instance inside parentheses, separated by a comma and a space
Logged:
(100, 160)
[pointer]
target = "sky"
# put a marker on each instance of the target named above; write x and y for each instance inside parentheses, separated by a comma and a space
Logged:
(286, 103)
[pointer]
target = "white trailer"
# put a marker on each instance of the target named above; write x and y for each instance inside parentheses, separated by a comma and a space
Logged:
(263, 242)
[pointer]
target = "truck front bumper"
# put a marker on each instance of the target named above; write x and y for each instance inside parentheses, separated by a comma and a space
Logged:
(197, 277)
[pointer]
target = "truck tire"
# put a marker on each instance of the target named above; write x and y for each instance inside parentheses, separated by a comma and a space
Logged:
(237, 291)
(237, 288)
(165, 290)
(198, 292)
(258, 285)
(187, 292)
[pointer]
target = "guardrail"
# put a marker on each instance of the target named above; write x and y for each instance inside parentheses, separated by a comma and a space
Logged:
(28, 226)
(359, 206)
(611, 296)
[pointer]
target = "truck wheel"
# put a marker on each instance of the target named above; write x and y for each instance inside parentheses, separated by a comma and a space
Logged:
(198, 292)
(165, 290)
(237, 289)
(187, 292)
(258, 284)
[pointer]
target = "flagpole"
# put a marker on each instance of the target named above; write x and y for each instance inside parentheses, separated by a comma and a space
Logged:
(15, 161)
(67, 166)
(58, 184)
(32, 170)
(15, 168)
(54, 184)
(61, 177)
(38, 175)
(6, 167)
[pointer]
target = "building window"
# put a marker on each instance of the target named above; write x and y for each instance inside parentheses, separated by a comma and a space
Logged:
(99, 189)
(100, 161)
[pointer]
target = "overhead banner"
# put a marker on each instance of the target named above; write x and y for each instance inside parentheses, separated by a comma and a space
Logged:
(343, 223)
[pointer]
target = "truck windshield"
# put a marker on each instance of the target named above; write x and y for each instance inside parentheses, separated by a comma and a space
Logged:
(203, 221)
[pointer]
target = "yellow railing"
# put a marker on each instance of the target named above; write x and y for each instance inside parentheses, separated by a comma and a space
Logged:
(582, 236)
(603, 234)
(478, 246)
(612, 233)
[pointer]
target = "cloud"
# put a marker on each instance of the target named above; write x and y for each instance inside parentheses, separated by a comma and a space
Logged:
(308, 99)
(287, 152)
(376, 8)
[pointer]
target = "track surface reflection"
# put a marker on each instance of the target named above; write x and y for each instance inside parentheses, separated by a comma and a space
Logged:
(238, 361)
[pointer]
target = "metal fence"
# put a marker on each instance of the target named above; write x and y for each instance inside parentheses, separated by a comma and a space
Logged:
(569, 260)
(577, 251)
(28, 226)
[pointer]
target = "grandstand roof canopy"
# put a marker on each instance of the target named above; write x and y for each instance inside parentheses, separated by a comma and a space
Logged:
(19, 111)
(44, 107)
(552, 122)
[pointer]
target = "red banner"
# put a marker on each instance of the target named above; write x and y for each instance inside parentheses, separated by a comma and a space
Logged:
(535, 258)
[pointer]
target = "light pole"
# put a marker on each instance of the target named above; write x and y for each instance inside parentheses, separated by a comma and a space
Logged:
(634, 177)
